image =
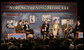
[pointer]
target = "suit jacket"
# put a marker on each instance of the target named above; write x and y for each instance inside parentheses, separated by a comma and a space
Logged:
(26, 27)
(69, 27)
(77, 28)
(19, 27)
(43, 27)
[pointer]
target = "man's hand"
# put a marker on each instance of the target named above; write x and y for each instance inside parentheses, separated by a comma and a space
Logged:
(77, 31)
(44, 32)
(22, 26)
(28, 32)
(27, 29)
(42, 29)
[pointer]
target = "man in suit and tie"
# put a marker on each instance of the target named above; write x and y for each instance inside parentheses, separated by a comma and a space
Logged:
(20, 27)
(45, 28)
(66, 28)
(77, 29)
(26, 27)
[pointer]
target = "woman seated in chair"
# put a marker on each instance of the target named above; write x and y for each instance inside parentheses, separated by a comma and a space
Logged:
(55, 29)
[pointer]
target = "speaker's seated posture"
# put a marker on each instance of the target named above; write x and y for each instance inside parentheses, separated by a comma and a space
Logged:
(77, 29)
(67, 29)
(55, 29)
(45, 29)
(19, 27)
(27, 28)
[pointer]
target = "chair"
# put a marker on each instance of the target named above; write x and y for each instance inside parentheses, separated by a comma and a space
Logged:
(40, 27)
(16, 29)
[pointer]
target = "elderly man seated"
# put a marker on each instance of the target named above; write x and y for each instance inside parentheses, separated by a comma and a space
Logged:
(19, 27)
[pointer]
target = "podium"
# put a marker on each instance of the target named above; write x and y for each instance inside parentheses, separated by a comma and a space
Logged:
(17, 35)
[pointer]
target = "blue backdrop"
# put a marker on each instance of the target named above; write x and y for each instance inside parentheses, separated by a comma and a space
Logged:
(22, 11)
(38, 21)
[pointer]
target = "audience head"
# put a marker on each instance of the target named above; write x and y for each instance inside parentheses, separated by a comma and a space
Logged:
(13, 47)
(10, 44)
(4, 46)
(71, 46)
(42, 44)
(2, 40)
(30, 36)
(79, 46)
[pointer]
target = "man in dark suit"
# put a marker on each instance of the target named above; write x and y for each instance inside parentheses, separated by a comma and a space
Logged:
(20, 27)
(26, 27)
(66, 28)
(45, 29)
(77, 29)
